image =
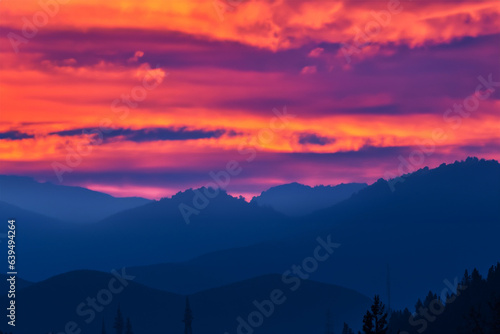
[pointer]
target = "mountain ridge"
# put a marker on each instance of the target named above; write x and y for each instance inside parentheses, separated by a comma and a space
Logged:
(295, 199)
(67, 203)
(441, 207)
(443, 211)
(216, 310)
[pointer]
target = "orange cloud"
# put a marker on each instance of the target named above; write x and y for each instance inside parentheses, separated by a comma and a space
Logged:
(57, 83)
(272, 24)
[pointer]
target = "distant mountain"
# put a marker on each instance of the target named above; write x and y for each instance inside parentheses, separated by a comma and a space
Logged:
(39, 240)
(153, 311)
(159, 229)
(436, 222)
(295, 199)
(34, 221)
(62, 294)
(303, 310)
(70, 204)
(154, 233)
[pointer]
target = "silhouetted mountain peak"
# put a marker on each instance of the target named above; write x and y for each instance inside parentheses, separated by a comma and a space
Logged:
(471, 169)
(459, 168)
(469, 186)
(216, 194)
(295, 199)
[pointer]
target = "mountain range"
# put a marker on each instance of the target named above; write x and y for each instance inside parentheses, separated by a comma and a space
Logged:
(295, 199)
(70, 204)
(414, 236)
(63, 301)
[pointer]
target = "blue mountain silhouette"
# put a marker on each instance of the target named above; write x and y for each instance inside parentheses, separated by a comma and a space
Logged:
(70, 204)
(155, 311)
(295, 199)
(434, 224)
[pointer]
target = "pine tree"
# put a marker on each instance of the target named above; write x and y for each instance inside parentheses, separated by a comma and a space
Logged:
(118, 322)
(475, 316)
(129, 327)
(380, 316)
(375, 320)
(188, 318)
(368, 323)
(347, 330)
(496, 316)
(466, 279)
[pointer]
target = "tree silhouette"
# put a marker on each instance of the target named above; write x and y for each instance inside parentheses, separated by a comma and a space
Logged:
(368, 323)
(188, 318)
(118, 322)
(129, 327)
(473, 308)
(347, 330)
(375, 320)
(496, 315)
(476, 318)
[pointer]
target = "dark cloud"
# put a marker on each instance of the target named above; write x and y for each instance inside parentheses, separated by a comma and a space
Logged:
(166, 48)
(312, 138)
(15, 135)
(150, 134)
(483, 148)
(365, 153)
(388, 109)
(262, 104)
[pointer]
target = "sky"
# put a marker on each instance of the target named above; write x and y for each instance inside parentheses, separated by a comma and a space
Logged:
(148, 98)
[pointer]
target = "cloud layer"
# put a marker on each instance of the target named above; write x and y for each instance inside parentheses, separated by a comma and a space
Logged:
(154, 96)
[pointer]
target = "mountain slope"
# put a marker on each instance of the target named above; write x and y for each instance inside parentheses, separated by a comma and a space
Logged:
(39, 240)
(436, 223)
(154, 233)
(159, 227)
(295, 199)
(70, 204)
(52, 304)
(65, 299)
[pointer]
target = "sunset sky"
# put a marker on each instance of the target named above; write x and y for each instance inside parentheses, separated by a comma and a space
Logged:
(148, 97)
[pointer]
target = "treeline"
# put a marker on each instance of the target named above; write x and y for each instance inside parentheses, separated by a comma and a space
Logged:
(473, 308)
(119, 326)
